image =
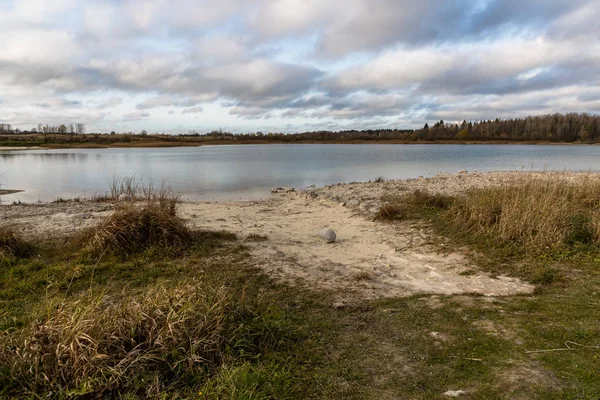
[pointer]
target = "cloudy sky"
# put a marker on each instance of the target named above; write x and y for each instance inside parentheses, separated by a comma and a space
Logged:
(293, 65)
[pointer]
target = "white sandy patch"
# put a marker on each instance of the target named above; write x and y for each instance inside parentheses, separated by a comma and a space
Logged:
(369, 259)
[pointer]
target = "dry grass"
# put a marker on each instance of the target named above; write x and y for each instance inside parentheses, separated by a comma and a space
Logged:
(99, 344)
(539, 212)
(390, 212)
(133, 228)
(135, 187)
(12, 245)
(412, 205)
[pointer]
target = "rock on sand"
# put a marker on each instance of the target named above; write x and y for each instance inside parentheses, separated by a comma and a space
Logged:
(328, 235)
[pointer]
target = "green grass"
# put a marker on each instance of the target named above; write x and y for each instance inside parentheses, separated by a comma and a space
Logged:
(560, 256)
(289, 342)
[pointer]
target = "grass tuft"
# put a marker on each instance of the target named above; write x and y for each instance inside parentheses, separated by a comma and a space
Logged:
(133, 228)
(390, 212)
(12, 245)
(412, 205)
(256, 237)
(537, 212)
(100, 345)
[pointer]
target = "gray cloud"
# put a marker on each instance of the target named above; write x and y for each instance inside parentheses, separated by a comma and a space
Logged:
(165, 101)
(108, 103)
(135, 116)
(340, 62)
(192, 110)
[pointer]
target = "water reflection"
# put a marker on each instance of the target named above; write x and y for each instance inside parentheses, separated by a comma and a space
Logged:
(231, 172)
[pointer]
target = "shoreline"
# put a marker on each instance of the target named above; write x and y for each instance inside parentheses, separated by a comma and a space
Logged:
(158, 144)
(397, 259)
(4, 192)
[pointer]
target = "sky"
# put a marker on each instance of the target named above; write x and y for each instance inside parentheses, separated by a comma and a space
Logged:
(176, 66)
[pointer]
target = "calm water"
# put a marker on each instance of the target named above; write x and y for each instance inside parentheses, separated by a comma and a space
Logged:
(249, 171)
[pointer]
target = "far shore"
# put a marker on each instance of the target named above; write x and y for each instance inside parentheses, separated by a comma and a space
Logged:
(166, 144)
(9, 191)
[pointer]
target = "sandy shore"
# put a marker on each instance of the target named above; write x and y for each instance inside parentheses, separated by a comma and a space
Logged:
(4, 148)
(368, 260)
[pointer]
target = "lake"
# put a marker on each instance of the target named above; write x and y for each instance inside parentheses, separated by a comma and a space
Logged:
(250, 171)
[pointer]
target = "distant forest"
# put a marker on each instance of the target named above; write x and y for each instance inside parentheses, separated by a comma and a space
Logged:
(583, 128)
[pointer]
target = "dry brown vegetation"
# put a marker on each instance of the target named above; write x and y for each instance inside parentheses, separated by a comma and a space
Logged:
(100, 344)
(539, 212)
(536, 211)
(12, 245)
(135, 226)
(412, 205)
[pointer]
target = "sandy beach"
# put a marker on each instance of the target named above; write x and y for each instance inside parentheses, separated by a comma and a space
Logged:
(368, 259)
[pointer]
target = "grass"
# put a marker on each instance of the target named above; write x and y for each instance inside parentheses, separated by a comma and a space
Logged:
(13, 246)
(256, 237)
(539, 227)
(412, 205)
(134, 228)
(537, 213)
(144, 323)
(203, 323)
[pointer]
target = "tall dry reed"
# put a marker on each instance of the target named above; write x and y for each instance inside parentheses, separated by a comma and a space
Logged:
(539, 211)
(100, 344)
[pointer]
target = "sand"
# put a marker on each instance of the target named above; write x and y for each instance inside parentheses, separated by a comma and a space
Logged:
(369, 259)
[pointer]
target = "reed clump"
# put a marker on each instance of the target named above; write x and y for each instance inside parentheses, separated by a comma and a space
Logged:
(12, 245)
(538, 211)
(136, 226)
(100, 345)
(412, 205)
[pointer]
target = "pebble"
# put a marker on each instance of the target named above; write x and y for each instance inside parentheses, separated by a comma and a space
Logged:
(353, 203)
(125, 197)
(454, 393)
(328, 235)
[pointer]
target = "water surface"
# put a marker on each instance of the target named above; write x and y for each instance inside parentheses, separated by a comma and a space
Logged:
(249, 171)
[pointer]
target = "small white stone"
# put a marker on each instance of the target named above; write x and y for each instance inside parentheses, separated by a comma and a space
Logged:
(454, 393)
(125, 197)
(328, 235)
(353, 203)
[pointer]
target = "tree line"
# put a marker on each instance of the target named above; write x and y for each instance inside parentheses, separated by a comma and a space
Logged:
(45, 128)
(573, 127)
